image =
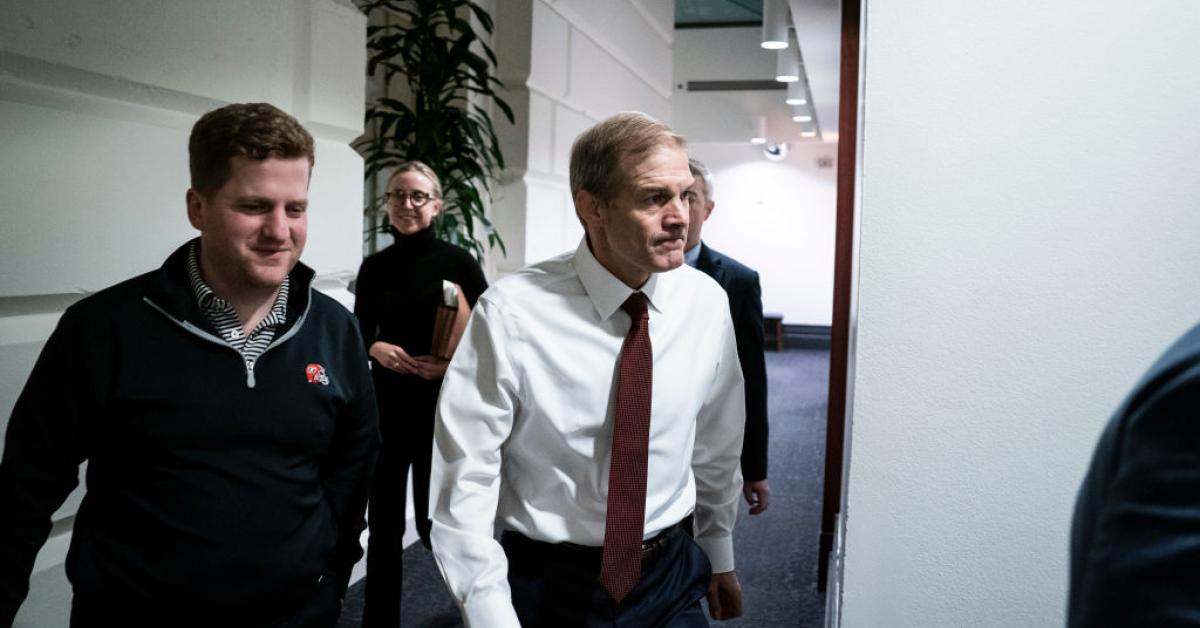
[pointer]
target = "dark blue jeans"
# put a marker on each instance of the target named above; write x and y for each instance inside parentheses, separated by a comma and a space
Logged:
(559, 587)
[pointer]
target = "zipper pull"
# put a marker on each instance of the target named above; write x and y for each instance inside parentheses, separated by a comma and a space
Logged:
(249, 373)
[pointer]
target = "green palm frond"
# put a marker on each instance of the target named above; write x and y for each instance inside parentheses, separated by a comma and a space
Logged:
(435, 49)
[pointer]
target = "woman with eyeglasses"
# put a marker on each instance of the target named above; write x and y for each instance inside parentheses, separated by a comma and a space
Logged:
(397, 296)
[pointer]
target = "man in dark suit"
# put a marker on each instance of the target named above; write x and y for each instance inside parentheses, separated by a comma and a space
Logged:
(745, 304)
(1135, 543)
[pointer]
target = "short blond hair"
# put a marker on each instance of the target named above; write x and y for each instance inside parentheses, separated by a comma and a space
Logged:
(597, 154)
(422, 168)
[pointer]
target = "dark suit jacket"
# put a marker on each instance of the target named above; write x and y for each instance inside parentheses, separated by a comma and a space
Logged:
(1135, 542)
(745, 304)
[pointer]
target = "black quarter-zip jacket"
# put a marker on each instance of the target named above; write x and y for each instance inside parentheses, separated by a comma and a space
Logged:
(215, 490)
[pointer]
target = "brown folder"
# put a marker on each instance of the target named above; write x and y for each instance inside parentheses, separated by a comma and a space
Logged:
(450, 322)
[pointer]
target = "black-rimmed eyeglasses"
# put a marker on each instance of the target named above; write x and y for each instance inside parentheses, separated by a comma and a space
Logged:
(416, 197)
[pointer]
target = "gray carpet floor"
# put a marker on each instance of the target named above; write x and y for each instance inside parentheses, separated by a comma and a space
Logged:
(776, 551)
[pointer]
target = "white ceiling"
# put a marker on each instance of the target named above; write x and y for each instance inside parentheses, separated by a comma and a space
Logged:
(819, 31)
(733, 53)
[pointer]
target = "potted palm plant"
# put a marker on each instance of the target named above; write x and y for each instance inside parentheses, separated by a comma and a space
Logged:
(437, 81)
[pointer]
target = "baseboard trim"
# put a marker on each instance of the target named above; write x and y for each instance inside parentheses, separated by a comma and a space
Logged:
(806, 336)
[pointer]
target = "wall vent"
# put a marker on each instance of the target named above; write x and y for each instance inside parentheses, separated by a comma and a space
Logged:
(733, 86)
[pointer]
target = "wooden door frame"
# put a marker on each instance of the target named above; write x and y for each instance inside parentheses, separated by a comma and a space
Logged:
(843, 287)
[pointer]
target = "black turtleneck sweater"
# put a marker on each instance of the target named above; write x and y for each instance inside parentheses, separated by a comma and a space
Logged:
(399, 288)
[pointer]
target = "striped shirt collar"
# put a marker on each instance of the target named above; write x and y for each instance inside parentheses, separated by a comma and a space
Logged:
(219, 311)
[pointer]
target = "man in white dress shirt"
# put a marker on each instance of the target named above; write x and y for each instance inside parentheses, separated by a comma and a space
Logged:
(533, 403)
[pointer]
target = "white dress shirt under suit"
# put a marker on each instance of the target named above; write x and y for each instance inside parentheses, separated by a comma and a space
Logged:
(524, 424)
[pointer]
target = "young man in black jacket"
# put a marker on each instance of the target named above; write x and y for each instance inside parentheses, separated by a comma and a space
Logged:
(224, 407)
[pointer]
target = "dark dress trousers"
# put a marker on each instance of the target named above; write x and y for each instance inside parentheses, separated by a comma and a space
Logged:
(745, 305)
(557, 585)
(396, 299)
(1135, 542)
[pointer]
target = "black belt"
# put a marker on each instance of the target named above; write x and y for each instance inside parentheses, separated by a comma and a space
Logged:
(653, 549)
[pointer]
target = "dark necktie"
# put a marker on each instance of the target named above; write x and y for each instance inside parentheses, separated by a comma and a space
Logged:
(621, 565)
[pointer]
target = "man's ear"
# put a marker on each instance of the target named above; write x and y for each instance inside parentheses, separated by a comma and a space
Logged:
(708, 210)
(195, 208)
(587, 207)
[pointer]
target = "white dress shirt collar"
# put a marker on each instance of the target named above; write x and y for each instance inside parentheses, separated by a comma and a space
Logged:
(606, 292)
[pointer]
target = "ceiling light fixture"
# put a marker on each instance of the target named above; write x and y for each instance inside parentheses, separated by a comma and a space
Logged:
(787, 67)
(787, 64)
(775, 24)
(797, 93)
(760, 131)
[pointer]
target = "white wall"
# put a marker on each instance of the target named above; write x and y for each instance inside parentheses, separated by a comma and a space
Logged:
(96, 102)
(568, 64)
(1028, 247)
(777, 218)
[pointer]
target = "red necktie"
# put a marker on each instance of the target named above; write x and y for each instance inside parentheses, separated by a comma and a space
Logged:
(621, 565)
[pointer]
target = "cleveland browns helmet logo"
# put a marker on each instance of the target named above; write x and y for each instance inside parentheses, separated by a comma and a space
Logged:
(316, 374)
